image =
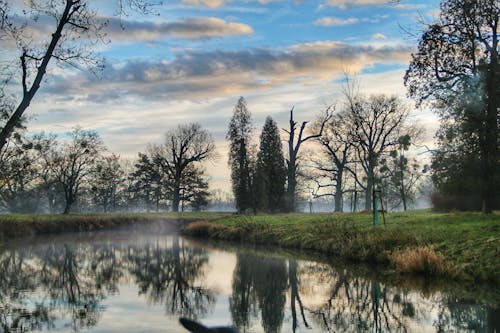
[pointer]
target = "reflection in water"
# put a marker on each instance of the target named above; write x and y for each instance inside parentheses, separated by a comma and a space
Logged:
(67, 287)
(170, 276)
(39, 288)
(326, 299)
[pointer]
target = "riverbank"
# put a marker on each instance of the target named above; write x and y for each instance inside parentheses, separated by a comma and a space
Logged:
(26, 225)
(447, 245)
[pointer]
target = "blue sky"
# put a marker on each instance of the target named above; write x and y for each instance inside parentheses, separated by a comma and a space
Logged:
(192, 59)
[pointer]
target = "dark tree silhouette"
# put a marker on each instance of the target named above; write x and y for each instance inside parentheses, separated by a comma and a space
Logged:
(240, 160)
(74, 162)
(270, 175)
(184, 147)
(107, 178)
(147, 181)
(295, 140)
(456, 70)
(338, 149)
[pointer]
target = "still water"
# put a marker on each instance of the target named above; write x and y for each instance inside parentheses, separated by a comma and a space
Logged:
(126, 281)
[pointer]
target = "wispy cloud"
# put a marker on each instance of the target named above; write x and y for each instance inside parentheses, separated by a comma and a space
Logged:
(351, 3)
(206, 3)
(333, 21)
(190, 28)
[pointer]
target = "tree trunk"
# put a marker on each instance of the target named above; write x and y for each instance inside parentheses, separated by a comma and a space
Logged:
(369, 192)
(339, 202)
(291, 185)
(490, 146)
(67, 206)
(176, 196)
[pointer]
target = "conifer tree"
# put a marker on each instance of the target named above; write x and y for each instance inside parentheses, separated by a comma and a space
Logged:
(238, 135)
(271, 170)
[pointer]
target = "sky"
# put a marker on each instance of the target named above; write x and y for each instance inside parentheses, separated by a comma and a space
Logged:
(190, 61)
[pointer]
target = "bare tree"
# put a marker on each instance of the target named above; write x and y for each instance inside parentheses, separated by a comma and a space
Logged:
(337, 147)
(74, 162)
(76, 29)
(295, 140)
(379, 122)
(184, 146)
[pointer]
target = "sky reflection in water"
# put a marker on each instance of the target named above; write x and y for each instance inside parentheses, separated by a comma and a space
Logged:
(122, 282)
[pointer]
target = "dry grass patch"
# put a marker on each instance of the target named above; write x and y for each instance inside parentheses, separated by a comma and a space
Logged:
(203, 228)
(421, 260)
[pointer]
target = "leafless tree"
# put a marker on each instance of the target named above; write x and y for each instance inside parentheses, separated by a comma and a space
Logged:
(74, 162)
(379, 123)
(296, 137)
(184, 146)
(337, 148)
(76, 29)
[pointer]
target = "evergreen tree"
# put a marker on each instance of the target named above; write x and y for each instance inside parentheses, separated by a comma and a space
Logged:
(239, 132)
(271, 170)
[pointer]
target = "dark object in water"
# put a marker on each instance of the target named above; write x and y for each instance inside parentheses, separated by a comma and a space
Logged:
(195, 327)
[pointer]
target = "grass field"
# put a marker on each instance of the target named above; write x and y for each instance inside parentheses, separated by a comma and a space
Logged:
(20, 225)
(455, 245)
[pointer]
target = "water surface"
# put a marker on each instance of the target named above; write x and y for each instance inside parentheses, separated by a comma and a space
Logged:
(128, 281)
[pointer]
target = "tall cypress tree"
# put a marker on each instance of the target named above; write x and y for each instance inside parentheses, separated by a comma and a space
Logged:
(239, 134)
(271, 170)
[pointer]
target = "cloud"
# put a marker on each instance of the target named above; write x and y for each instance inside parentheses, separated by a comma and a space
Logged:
(333, 21)
(204, 74)
(409, 6)
(190, 28)
(206, 3)
(350, 3)
(378, 36)
(118, 29)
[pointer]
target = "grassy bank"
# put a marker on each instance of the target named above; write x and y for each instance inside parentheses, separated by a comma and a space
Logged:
(21, 225)
(456, 245)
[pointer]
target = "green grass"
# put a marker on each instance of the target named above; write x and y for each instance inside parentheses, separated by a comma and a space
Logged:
(469, 242)
(20, 225)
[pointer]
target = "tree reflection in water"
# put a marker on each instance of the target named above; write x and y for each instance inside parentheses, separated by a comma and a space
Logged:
(172, 276)
(65, 285)
(323, 298)
(259, 283)
(40, 287)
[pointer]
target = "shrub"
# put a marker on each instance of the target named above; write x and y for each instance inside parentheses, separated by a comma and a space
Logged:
(421, 260)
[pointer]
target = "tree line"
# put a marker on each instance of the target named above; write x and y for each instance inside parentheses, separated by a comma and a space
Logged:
(364, 143)
(454, 71)
(43, 174)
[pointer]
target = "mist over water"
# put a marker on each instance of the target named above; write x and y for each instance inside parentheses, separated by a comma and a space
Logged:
(143, 281)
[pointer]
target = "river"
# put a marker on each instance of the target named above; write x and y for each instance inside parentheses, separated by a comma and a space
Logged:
(143, 281)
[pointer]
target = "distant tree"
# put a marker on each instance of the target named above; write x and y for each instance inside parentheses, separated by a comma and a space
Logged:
(107, 178)
(73, 163)
(378, 123)
(456, 71)
(401, 176)
(294, 144)
(194, 189)
(77, 28)
(147, 180)
(239, 137)
(18, 174)
(337, 150)
(271, 172)
(184, 147)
